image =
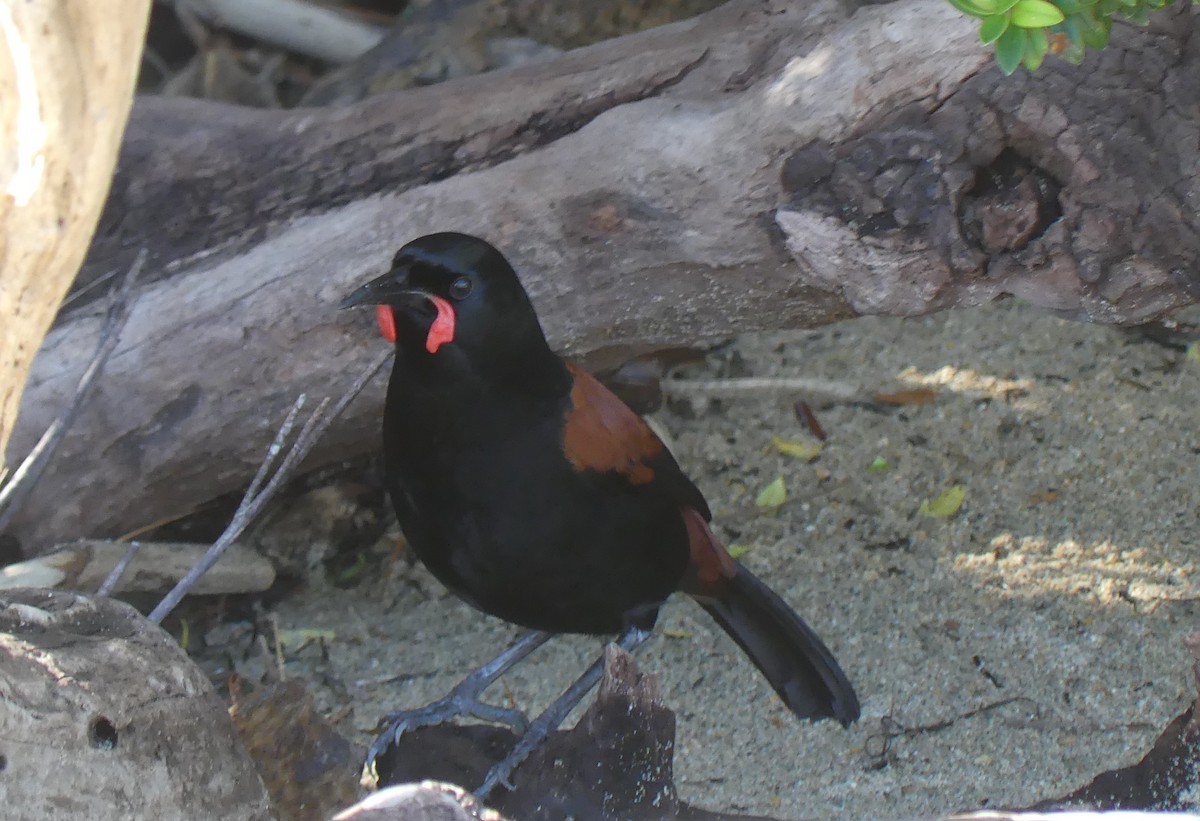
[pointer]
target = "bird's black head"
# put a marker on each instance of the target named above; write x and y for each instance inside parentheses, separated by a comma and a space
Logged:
(454, 290)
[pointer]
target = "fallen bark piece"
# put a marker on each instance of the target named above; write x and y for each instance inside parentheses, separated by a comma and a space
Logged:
(617, 762)
(155, 568)
(310, 770)
(105, 717)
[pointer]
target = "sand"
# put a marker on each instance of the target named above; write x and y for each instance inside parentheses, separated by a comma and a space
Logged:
(1039, 628)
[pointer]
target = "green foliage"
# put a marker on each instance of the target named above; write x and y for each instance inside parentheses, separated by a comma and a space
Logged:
(1023, 32)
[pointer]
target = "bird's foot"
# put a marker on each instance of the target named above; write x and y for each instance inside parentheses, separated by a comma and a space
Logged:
(463, 700)
(456, 704)
(554, 715)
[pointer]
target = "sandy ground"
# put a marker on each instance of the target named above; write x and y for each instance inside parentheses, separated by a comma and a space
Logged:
(1042, 624)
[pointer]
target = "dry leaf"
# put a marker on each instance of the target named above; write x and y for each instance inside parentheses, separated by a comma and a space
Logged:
(797, 448)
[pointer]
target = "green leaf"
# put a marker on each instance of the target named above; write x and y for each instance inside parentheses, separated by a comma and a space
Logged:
(1073, 55)
(945, 504)
(1138, 16)
(1034, 14)
(773, 495)
(878, 465)
(992, 28)
(1035, 49)
(1095, 35)
(347, 576)
(1073, 27)
(797, 448)
(1009, 49)
(1193, 352)
(738, 550)
(975, 8)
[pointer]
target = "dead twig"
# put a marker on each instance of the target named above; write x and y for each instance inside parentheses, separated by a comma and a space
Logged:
(110, 581)
(879, 745)
(822, 389)
(25, 477)
(255, 499)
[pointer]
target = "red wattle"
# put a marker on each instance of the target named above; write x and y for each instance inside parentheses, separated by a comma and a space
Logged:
(387, 322)
(442, 329)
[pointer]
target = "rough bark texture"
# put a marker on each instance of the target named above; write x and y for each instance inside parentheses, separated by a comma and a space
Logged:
(767, 165)
(103, 716)
(310, 770)
(618, 761)
(67, 69)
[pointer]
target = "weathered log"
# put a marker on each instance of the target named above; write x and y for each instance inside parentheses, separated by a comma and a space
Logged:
(767, 165)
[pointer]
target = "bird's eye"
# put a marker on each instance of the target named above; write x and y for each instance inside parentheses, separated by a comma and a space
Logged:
(460, 287)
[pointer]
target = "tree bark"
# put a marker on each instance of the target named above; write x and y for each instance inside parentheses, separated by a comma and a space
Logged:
(67, 69)
(766, 165)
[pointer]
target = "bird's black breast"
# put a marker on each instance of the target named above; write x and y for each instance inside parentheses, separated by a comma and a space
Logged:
(494, 509)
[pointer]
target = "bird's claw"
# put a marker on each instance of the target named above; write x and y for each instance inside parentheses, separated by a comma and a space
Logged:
(498, 776)
(454, 705)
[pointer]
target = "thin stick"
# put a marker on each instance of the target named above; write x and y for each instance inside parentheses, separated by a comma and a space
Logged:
(114, 575)
(253, 502)
(26, 476)
(75, 296)
(824, 388)
(276, 447)
(237, 524)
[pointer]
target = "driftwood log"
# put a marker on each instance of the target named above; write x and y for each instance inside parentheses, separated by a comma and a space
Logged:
(766, 165)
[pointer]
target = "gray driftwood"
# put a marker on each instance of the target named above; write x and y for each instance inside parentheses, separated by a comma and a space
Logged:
(105, 717)
(767, 165)
(155, 568)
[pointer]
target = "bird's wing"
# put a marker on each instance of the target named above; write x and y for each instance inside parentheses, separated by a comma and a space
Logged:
(602, 434)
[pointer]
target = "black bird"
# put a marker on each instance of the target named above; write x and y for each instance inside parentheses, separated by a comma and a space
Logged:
(536, 495)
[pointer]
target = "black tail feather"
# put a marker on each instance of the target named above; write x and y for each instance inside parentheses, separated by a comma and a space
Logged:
(793, 658)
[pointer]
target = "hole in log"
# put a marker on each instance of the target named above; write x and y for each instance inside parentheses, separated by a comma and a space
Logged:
(102, 734)
(1011, 203)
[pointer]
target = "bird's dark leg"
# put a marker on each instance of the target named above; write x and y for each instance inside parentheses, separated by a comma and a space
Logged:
(463, 700)
(553, 716)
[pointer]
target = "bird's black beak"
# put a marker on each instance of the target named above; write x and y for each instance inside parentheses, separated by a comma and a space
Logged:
(390, 288)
